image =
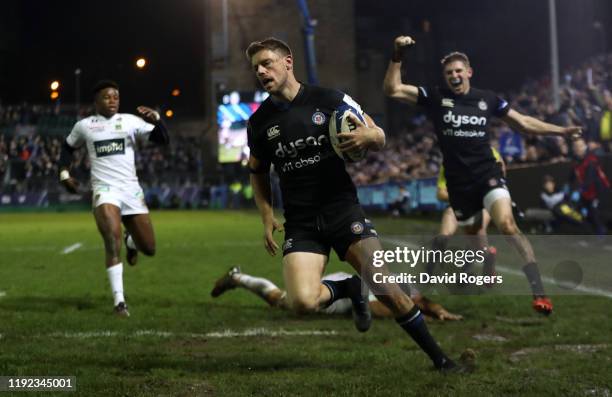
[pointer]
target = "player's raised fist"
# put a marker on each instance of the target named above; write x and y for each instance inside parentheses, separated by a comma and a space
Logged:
(402, 42)
(574, 132)
(148, 114)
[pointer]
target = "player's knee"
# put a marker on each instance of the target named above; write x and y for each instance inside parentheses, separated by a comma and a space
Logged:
(508, 226)
(304, 304)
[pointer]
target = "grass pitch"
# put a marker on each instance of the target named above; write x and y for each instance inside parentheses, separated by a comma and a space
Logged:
(55, 319)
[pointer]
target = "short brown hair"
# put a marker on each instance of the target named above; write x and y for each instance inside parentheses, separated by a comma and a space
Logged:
(271, 43)
(455, 56)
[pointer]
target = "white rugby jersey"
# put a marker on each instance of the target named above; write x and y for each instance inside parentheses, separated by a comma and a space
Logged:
(110, 144)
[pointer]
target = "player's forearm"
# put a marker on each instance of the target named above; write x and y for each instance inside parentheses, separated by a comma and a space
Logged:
(262, 193)
(159, 135)
(377, 139)
(393, 79)
(531, 125)
(65, 159)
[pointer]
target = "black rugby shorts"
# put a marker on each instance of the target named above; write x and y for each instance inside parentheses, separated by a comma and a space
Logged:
(468, 201)
(336, 228)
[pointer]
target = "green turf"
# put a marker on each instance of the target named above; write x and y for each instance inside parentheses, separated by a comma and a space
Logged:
(55, 319)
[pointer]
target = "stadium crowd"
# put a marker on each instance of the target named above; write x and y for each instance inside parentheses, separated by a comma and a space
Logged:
(29, 161)
(411, 154)
(586, 100)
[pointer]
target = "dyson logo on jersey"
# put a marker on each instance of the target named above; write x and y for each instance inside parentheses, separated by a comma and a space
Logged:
(292, 148)
(458, 120)
(109, 147)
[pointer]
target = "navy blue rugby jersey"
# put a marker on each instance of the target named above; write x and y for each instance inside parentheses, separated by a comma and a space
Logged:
(294, 137)
(462, 125)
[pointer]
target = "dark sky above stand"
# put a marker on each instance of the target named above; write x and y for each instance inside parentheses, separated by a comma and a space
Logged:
(46, 40)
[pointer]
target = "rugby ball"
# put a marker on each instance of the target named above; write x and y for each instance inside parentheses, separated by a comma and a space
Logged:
(340, 122)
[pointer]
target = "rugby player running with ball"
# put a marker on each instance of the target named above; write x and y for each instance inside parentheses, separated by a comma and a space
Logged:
(290, 130)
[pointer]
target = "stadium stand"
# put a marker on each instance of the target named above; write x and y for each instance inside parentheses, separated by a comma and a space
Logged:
(30, 139)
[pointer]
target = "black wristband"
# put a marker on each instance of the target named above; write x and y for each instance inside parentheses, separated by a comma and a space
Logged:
(397, 55)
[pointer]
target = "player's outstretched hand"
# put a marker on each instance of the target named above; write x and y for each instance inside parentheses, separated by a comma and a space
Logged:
(403, 42)
(71, 184)
(442, 315)
(270, 226)
(358, 139)
(573, 131)
(148, 114)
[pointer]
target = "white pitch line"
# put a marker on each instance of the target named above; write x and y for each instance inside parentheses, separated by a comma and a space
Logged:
(2, 294)
(32, 248)
(504, 269)
(227, 333)
(71, 248)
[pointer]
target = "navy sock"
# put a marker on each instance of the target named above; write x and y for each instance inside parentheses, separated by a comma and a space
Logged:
(414, 324)
(533, 276)
(338, 289)
(439, 243)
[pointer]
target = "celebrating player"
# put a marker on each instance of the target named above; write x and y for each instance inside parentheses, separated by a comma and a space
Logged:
(461, 115)
(110, 138)
(291, 131)
(276, 297)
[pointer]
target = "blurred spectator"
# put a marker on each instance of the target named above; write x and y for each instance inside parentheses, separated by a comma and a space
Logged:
(511, 146)
(590, 182)
(556, 201)
(401, 206)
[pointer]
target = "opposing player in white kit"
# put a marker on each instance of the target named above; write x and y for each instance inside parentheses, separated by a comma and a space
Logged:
(110, 138)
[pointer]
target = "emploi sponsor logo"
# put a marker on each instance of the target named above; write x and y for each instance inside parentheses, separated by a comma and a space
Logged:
(109, 147)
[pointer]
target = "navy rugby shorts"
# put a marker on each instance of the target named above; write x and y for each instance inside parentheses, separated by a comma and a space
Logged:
(469, 200)
(335, 228)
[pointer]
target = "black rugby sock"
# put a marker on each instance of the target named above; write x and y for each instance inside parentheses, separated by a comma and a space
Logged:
(414, 324)
(533, 276)
(439, 243)
(338, 289)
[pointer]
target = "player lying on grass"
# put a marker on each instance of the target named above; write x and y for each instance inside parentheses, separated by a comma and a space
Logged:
(277, 297)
